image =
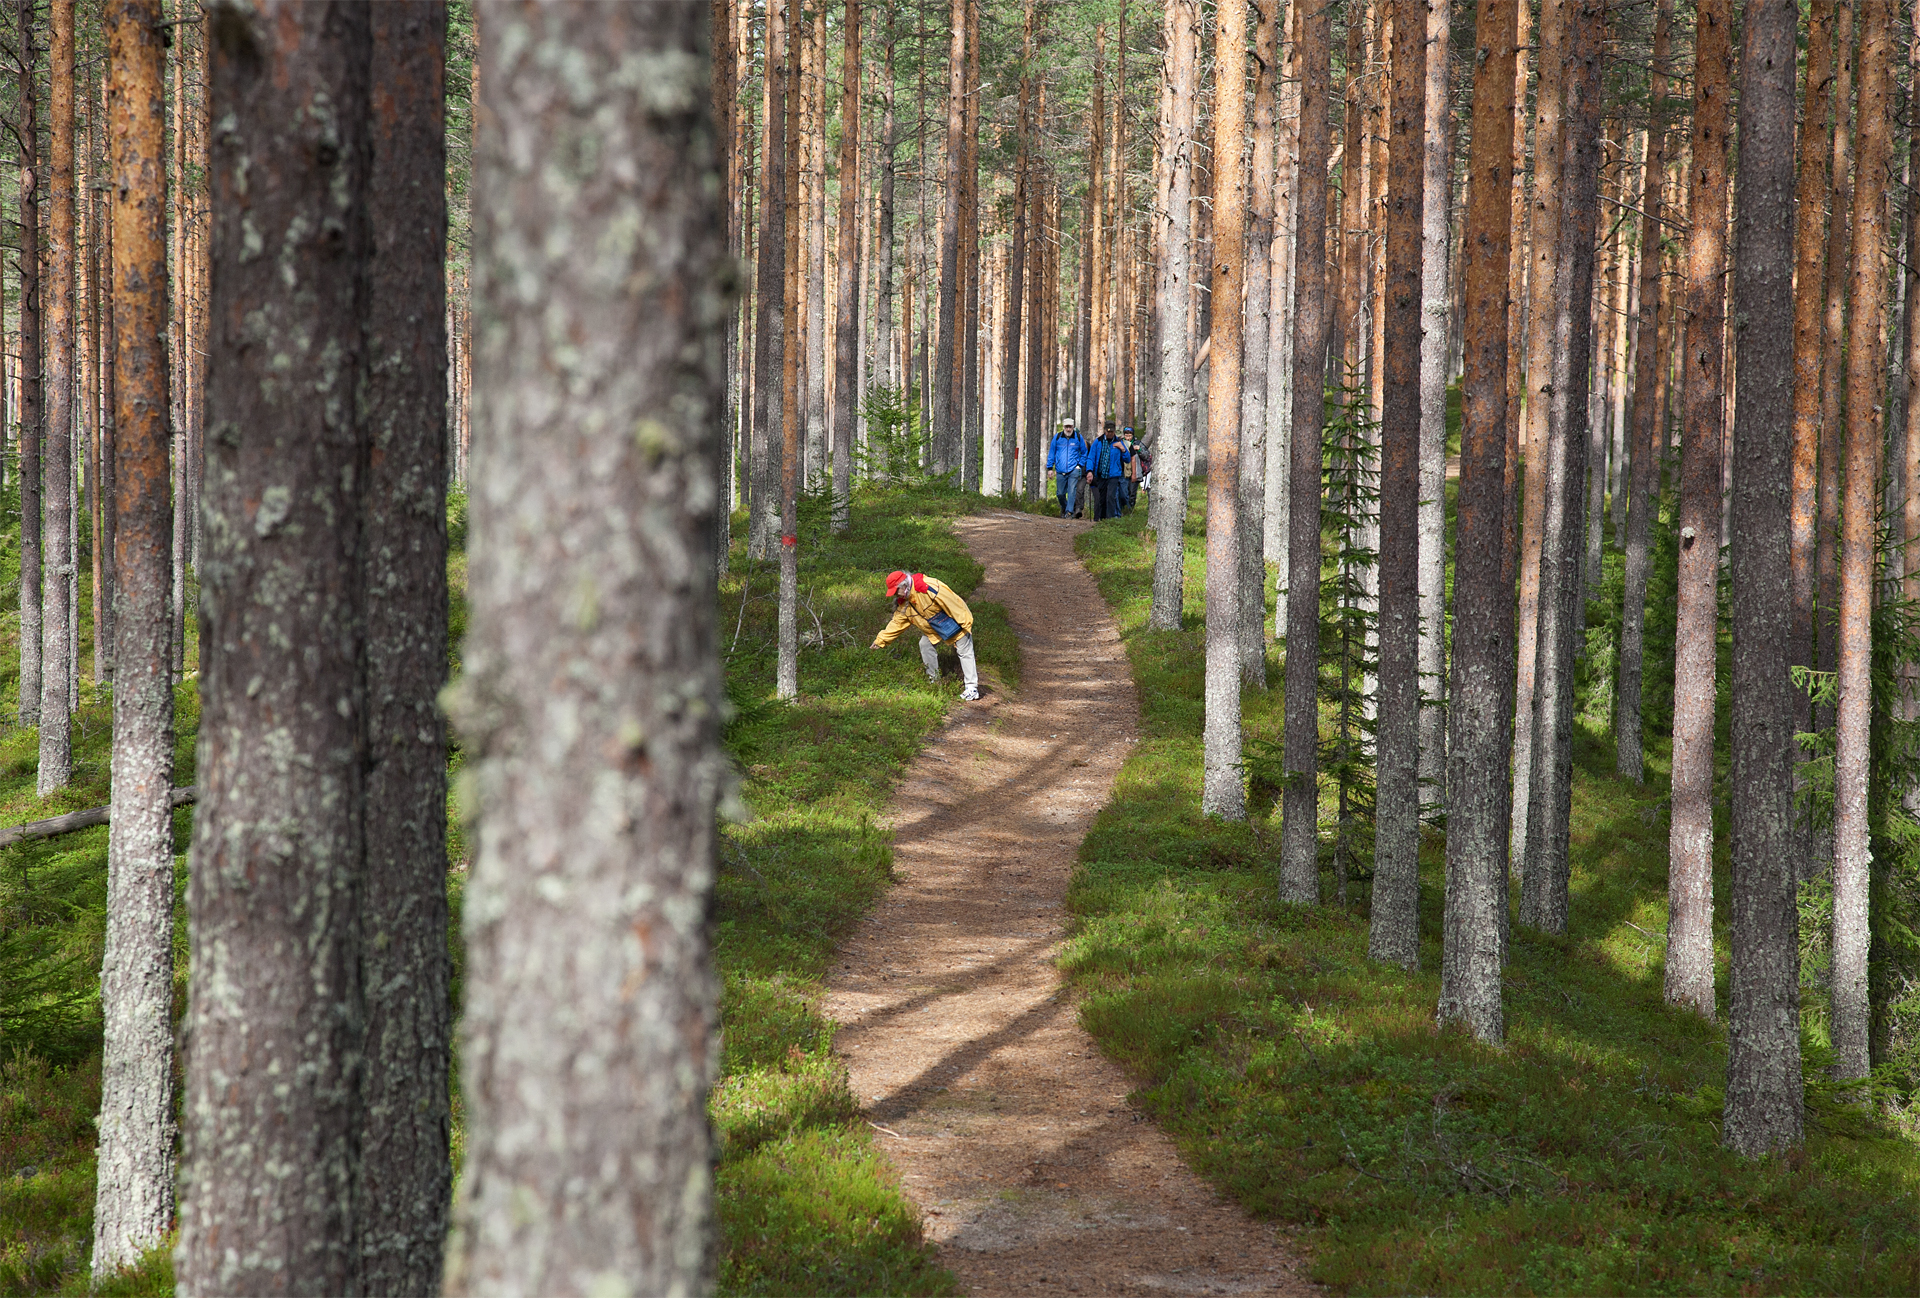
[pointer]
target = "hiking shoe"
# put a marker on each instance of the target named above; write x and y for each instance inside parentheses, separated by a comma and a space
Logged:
(970, 695)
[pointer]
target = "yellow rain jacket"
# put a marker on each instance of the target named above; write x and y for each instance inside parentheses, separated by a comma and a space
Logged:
(919, 609)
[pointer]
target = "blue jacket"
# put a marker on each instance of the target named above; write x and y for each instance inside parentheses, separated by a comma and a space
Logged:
(1110, 459)
(1067, 452)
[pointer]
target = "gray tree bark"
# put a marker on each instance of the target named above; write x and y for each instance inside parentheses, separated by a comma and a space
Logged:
(1689, 974)
(1437, 314)
(1223, 792)
(31, 391)
(1765, 1095)
(1867, 287)
(57, 602)
(846, 363)
(1256, 352)
(1478, 719)
(406, 1169)
(770, 330)
(1394, 933)
(1300, 803)
(275, 1019)
(591, 696)
(814, 149)
(134, 1186)
(945, 428)
(1167, 506)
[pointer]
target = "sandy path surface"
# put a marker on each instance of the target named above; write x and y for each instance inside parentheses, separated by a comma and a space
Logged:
(1009, 1128)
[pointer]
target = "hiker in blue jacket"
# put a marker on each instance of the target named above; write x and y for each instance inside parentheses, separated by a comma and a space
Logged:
(1067, 458)
(1109, 472)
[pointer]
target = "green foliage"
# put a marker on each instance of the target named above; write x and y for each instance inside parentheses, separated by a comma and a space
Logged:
(807, 1203)
(896, 443)
(1311, 1085)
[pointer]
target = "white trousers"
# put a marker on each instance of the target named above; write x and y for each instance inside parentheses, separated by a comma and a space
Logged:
(963, 645)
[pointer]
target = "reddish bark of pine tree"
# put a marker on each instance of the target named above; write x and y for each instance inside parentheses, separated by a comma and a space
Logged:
(846, 365)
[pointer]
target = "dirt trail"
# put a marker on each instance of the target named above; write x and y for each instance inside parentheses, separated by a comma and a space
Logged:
(1011, 1131)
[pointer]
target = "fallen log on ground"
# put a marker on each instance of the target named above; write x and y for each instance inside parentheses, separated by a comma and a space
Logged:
(56, 825)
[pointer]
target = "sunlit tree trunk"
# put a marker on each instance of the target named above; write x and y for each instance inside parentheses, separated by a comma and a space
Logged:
(1436, 313)
(814, 201)
(1222, 792)
(1643, 460)
(56, 679)
(31, 418)
(770, 329)
(134, 1187)
(1395, 929)
(276, 1005)
(1689, 976)
(406, 1167)
(944, 427)
(787, 664)
(1254, 378)
(1479, 726)
(1299, 826)
(1765, 1096)
(1543, 274)
(846, 364)
(1167, 508)
(590, 703)
(1834, 335)
(1865, 384)
(1010, 431)
(886, 371)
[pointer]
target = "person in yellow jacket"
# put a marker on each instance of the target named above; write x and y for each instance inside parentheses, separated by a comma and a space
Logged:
(932, 608)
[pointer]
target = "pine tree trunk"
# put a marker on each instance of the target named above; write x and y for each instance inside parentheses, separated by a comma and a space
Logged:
(887, 372)
(1543, 294)
(1809, 308)
(945, 427)
(1765, 1095)
(1039, 280)
(1852, 758)
(1299, 826)
(1167, 509)
(1256, 352)
(1010, 431)
(793, 298)
(967, 336)
(406, 1167)
(1394, 934)
(1436, 315)
(276, 1003)
(1689, 976)
(134, 1194)
(846, 364)
(1223, 793)
(770, 329)
(1478, 721)
(32, 416)
(1834, 335)
(1274, 521)
(56, 684)
(818, 469)
(1643, 460)
(591, 693)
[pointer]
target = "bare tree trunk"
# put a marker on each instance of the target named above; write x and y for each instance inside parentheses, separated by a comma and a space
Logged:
(134, 1194)
(814, 179)
(1223, 794)
(885, 370)
(1809, 307)
(1039, 318)
(1394, 935)
(846, 364)
(945, 426)
(967, 336)
(276, 999)
(1543, 278)
(1299, 826)
(56, 682)
(1275, 522)
(1852, 756)
(1765, 1095)
(1689, 976)
(1436, 314)
(1472, 946)
(1643, 471)
(406, 1166)
(770, 330)
(1167, 510)
(793, 290)
(1834, 332)
(589, 1156)
(1254, 378)
(1010, 432)
(31, 420)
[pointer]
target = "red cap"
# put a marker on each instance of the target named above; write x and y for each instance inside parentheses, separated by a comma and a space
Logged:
(894, 581)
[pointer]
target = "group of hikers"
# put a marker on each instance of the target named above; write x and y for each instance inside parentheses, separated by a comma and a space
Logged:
(1099, 477)
(1094, 478)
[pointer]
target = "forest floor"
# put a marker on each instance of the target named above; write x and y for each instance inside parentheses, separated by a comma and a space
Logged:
(1011, 1131)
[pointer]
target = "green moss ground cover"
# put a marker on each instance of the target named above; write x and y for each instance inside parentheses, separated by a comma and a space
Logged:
(1312, 1085)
